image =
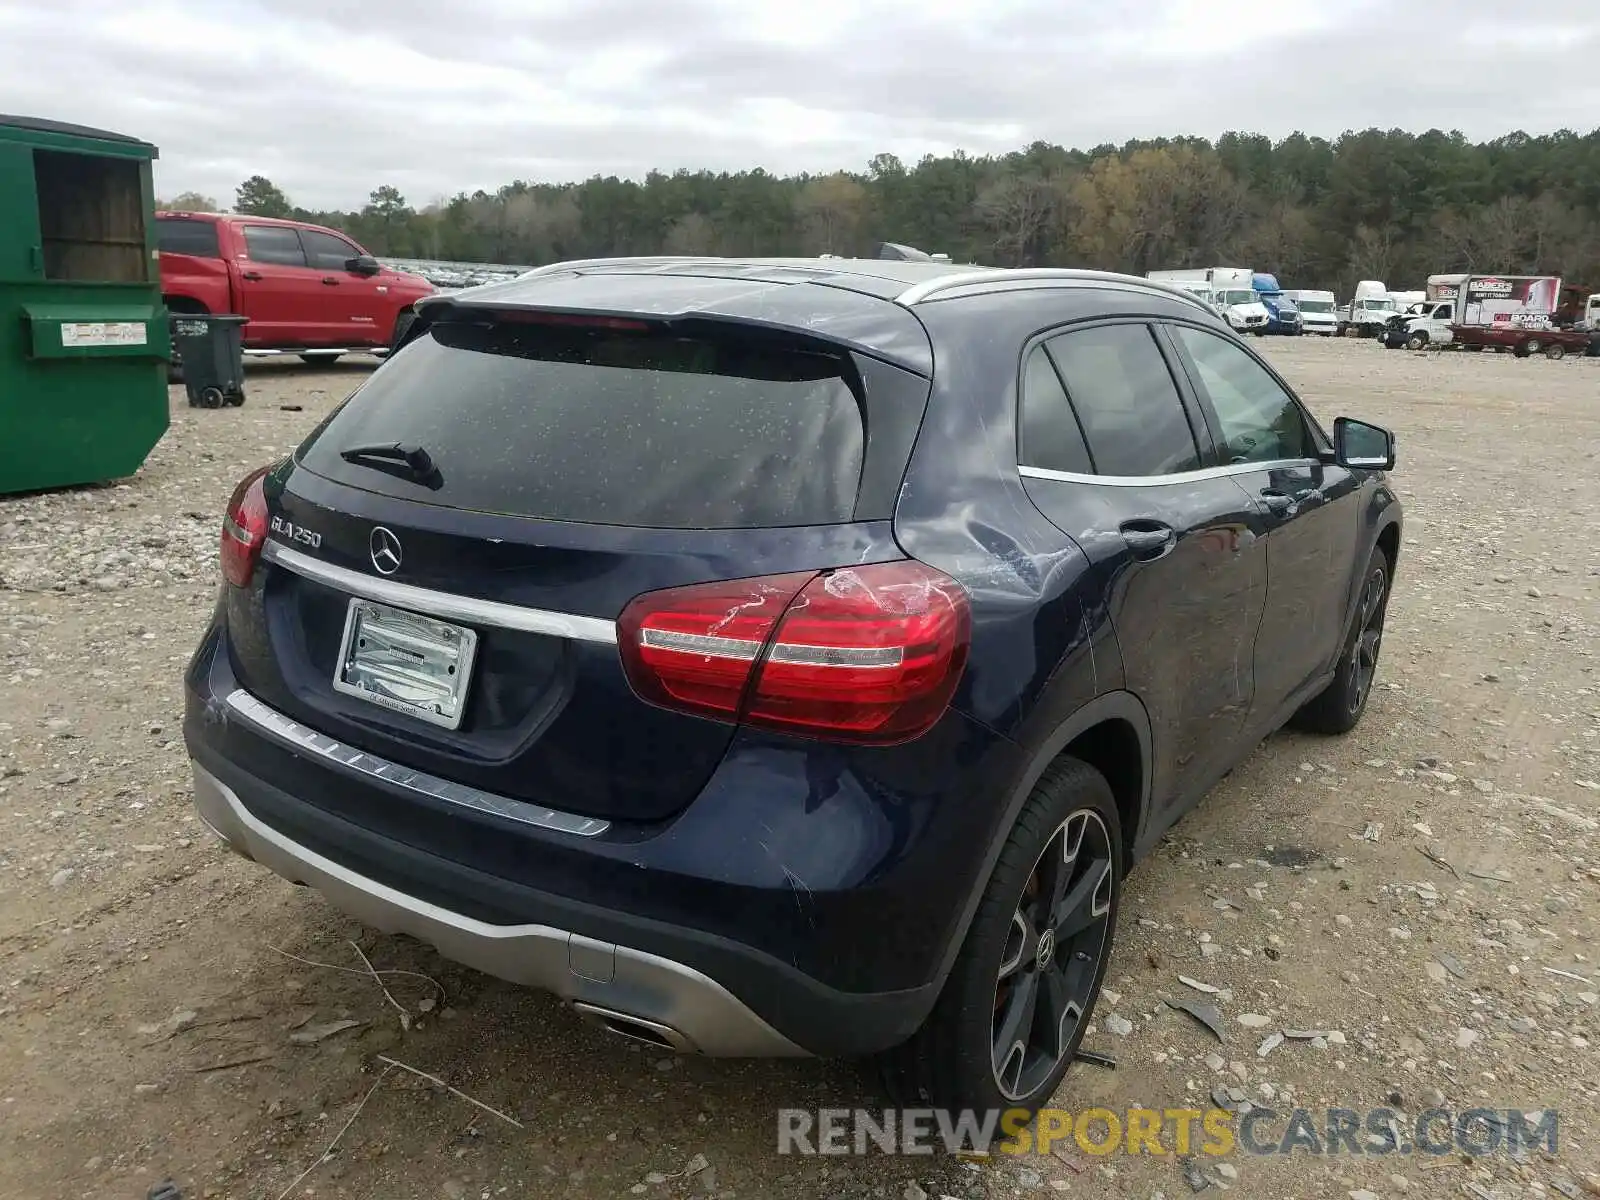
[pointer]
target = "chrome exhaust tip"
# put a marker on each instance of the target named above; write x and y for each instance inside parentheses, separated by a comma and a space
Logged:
(638, 1029)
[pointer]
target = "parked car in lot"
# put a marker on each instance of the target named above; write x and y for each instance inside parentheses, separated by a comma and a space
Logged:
(779, 657)
(304, 289)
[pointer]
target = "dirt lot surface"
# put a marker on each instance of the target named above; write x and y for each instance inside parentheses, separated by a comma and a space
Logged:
(154, 1025)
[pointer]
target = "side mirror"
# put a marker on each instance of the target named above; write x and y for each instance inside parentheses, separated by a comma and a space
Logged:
(1362, 446)
(363, 264)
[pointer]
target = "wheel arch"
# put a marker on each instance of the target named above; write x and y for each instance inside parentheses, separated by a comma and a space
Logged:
(179, 303)
(1112, 734)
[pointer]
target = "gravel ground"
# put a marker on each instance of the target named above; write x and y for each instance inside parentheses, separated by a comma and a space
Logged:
(1424, 891)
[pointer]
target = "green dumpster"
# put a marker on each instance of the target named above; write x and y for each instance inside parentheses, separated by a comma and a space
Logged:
(83, 332)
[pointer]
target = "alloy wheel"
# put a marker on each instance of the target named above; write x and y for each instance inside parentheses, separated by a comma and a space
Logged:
(1369, 637)
(1052, 954)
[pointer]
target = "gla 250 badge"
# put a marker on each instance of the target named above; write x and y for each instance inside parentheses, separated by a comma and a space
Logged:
(296, 533)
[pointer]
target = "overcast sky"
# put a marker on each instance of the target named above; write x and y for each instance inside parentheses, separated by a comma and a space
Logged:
(330, 98)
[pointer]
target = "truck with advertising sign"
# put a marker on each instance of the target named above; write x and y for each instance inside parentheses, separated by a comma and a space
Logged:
(1526, 314)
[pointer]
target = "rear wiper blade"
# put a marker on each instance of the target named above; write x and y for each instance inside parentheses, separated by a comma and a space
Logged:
(397, 458)
(415, 457)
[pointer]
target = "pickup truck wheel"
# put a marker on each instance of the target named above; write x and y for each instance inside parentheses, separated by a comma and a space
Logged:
(1017, 1001)
(1338, 707)
(1417, 341)
(1555, 351)
(402, 324)
(321, 358)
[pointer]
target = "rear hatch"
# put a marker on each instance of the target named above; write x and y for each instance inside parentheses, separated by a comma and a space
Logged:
(551, 469)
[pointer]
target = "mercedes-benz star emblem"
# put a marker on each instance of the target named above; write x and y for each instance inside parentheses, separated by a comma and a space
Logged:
(1047, 948)
(385, 548)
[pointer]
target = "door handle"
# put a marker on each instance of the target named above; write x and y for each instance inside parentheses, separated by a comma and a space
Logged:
(1149, 539)
(1276, 501)
(252, 276)
(330, 281)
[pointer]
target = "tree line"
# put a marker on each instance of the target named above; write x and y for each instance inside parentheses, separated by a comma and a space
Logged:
(1376, 204)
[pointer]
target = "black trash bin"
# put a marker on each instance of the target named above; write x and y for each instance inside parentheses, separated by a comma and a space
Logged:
(211, 347)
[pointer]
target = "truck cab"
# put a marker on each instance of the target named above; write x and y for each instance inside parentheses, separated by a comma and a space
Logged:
(1319, 311)
(1282, 314)
(1369, 310)
(1430, 324)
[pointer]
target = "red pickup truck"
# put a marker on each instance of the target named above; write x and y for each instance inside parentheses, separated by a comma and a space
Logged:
(306, 290)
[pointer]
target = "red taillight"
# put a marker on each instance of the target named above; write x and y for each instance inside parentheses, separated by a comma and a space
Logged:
(864, 654)
(244, 529)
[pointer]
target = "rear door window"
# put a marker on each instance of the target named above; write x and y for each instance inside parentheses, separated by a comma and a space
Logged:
(607, 426)
(1125, 400)
(1051, 438)
(274, 244)
(183, 235)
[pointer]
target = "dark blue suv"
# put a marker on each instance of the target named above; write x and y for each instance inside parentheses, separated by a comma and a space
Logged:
(785, 657)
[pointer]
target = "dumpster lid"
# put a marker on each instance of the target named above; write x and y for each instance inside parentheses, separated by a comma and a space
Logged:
(44, 125)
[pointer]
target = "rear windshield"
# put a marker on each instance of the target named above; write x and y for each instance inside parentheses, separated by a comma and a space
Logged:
(607, 426)
(180, 235)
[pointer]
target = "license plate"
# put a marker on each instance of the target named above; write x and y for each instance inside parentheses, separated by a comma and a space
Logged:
(405, 662)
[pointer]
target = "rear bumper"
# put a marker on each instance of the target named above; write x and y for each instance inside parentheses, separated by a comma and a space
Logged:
(689, 1010)
(808, 900)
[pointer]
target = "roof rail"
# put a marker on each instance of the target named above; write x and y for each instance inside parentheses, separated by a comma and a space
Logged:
(644, 260)
(927, 289)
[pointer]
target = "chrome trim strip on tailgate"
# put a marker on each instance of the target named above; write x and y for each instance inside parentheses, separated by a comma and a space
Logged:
(442, 604)
(301, 737)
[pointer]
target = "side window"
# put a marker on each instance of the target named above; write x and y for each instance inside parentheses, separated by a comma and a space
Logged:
(1258, 420)
(181, 235)
(1444, 312)
(326, 252)
(1050, 435)
(1125, 400)
(274, 244)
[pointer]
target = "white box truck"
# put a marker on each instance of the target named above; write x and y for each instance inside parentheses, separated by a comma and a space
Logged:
(1318, 311)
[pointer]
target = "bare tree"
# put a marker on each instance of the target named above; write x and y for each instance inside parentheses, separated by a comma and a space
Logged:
(1016, 210)
(830, 210)
(692, 233)
(1372, 252)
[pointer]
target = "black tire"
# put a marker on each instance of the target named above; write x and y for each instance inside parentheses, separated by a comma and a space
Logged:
(321, 358)
(402, 324)
(1338, 707)
(1417, 341)
(1555, 351)
(952, 1062)
(212, 397)
(234, 399)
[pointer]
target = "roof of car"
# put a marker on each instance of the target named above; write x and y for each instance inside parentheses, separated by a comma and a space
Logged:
(860, 302)
(886, 279)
